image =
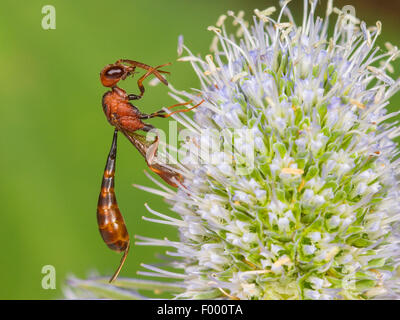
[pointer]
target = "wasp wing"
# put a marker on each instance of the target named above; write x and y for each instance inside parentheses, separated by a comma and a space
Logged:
(148, 150)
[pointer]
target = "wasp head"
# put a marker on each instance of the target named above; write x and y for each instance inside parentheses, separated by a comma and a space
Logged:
(113, 73)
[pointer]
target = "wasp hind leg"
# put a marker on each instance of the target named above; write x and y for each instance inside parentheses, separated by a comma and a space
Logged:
(147, 127)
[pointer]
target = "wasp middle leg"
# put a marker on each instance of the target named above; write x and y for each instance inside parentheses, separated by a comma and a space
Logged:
(163, 114)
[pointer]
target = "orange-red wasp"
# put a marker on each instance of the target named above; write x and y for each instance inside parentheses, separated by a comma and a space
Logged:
(127, 118)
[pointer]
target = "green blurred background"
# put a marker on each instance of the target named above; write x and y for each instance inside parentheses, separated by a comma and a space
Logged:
(55, 138)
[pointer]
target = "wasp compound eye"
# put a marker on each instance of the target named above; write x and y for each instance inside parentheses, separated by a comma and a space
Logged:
(114, 73)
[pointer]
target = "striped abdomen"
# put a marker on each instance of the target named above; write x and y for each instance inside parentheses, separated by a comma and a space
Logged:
(110, 221)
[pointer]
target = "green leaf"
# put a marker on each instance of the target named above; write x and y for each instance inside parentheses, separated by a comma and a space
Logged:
(280, 147)
(365, 284)
(301, 163)
(315, 71)
(331, 185)
(280, 194)
(358, 241)
(377, 263)
(334, 78)
(354, 229)
(339, 196)
(336, 283)
(312, 172)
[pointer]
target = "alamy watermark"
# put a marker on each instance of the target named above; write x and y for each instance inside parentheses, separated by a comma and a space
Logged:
(229, 148)
(49, 18)
(49, 278)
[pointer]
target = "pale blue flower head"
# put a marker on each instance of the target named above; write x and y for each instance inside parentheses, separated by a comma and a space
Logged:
(301, 198)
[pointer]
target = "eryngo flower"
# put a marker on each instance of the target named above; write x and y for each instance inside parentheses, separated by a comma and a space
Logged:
(301, 198)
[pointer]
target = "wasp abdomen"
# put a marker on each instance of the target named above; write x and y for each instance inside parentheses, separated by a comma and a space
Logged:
(110, 221)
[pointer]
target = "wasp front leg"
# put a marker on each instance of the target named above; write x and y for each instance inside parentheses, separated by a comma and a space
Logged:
(144, 66)
(133, 97)
(150, 70)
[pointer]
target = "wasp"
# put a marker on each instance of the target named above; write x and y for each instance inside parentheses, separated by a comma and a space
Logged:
(128, 119)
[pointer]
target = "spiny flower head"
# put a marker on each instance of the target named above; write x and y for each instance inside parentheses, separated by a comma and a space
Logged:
(299, 197)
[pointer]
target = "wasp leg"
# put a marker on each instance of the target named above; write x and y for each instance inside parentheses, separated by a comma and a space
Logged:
(146, 67)
(147, 127)
(134, 97)
(150, 71)
(183, 110)
(162, 114)
(144, 116)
